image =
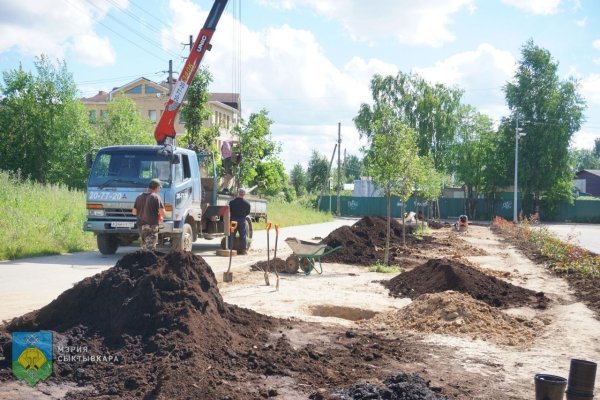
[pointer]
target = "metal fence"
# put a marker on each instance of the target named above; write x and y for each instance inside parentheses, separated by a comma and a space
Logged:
(580, 211)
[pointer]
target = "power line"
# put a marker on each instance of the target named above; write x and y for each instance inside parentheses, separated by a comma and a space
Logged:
(132, 30)
(116, 33)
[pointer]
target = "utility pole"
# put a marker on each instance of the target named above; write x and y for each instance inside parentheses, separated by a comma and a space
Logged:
(339, 172)
(170, 77)
(328, 180)
(515, 190)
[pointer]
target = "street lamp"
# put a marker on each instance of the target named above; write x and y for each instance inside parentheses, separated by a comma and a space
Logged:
(518, 133)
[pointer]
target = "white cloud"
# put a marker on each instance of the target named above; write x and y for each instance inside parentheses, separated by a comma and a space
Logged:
(590, 88)
(38, 27)
(584, 139)
(596, 44)
(541, 7)
(480, 73)
(285, 71)
(411, 22)
(581, 22)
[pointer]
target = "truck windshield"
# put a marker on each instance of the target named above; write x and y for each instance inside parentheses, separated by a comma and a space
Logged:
(120, 169)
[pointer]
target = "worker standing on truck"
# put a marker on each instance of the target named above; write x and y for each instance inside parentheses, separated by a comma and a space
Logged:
(149, 210)
(239, 209)
(226, 155)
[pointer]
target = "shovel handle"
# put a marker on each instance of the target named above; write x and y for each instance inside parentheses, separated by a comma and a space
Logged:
(233, 226)
(268, 226)
(276, 229)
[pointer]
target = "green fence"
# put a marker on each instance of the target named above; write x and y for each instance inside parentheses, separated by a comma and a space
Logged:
(580, 211)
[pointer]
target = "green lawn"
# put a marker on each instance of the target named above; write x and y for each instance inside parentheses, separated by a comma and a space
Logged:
(290, 214)
(40, 219)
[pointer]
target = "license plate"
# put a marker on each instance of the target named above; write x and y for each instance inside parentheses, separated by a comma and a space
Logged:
(122, 224)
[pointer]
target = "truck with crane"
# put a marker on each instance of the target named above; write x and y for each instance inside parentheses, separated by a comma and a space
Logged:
(118, 174)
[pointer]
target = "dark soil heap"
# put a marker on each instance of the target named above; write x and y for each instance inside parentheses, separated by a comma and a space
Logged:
(161, 315)
(364, 242)
(163, 318)
(274, 263)
(398, 387)
(439, 275)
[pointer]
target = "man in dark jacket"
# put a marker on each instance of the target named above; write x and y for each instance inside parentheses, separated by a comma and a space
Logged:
(239, 209)
(149, 210)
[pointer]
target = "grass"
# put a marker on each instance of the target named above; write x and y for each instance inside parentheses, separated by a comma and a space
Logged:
(386, 269)
(562, 256)
(40, 219)
(291, 214)
(421, 231)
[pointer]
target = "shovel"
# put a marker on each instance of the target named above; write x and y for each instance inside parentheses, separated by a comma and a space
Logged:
(268, 226)
(275, 256)
(228, 276)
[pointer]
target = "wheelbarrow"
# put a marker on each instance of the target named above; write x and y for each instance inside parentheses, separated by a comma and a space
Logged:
(306, 255)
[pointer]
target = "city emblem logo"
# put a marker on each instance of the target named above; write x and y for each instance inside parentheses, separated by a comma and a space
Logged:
(32, 356)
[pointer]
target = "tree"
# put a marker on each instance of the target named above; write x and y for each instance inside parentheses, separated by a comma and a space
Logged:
(551, 111)
(472, 154)
(431, 110)
(429, 181)
(354, 168)
(317, 172)
(298, 180)
(195, 113)
(584, 159)
(392, 162)
(124, 125)
(260, 165)
(44, 132)
(597, 147)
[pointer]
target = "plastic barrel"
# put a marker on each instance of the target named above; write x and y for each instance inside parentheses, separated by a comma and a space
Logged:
(582, 377)
(549, 387)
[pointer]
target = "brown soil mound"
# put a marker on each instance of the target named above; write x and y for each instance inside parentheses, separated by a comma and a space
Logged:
(363, 243)
(275, 263)
(161, 320)
(459, 314)
(439, 275)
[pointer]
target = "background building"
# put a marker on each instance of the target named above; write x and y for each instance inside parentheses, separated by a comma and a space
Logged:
(151, 97)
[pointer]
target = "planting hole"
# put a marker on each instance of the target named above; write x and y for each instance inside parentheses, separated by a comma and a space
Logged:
(349, 313)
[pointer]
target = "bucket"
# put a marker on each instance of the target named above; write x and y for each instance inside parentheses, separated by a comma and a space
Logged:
(571, 395)
(549, 387)
(582, 376)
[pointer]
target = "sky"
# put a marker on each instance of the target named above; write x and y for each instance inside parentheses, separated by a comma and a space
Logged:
(310, 62)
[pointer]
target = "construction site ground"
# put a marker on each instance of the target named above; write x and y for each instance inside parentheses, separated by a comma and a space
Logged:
(347, 316)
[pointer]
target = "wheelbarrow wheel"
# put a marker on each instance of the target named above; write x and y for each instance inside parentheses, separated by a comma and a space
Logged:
(291, 264)
(306, 265)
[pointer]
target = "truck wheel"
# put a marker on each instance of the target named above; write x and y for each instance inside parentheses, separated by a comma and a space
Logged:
(183, 241)
(107, 244)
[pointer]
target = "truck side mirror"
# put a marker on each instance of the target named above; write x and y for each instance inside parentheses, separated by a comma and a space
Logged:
(176, 159)
(89, 160)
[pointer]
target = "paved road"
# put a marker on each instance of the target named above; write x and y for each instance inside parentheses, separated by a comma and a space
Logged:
(31, 283)
(585, 235)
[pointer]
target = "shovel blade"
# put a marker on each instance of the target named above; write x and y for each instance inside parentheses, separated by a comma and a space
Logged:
(227, 276)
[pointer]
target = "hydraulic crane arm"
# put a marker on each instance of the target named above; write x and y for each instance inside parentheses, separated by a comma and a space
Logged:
(165, 129)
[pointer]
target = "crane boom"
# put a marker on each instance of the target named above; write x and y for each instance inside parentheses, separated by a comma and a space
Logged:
(165, 129)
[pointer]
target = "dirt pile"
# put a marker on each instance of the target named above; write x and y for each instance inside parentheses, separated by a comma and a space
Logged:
(364, 244)
(459, 314)
(275, 263)
(398, 387)
(163, 319)
(166, 332)
(439, 275)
